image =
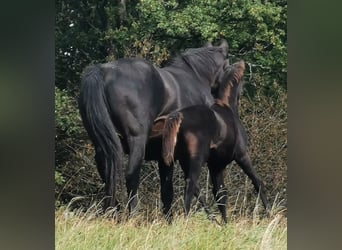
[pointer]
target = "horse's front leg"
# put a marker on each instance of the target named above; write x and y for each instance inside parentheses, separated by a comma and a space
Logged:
(166, 188)
(136, 157)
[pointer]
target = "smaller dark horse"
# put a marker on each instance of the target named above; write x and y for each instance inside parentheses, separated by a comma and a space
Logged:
(215, 135)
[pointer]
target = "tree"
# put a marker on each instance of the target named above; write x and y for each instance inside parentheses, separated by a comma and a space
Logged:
(92, 31)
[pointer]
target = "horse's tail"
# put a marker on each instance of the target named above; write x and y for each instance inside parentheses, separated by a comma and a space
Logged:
(170, 132)
(96, 119)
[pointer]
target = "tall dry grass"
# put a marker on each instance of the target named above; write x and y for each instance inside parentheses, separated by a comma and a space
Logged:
(79, 229)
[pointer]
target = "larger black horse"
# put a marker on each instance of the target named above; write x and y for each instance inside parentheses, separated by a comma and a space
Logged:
(119, 102)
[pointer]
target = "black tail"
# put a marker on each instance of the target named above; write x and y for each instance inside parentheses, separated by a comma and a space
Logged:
(96, 119)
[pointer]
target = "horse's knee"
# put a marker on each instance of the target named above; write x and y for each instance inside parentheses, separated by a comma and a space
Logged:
(189, 185)
(130, 172)
(221, 195)
(132, 176)
(166, 190)
(136, 153)
(134, 163)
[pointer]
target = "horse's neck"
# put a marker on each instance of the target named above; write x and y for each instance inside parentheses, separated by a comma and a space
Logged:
(188, 73)
(233, 104)
(185, 81)
(183, 89)
(228, 96)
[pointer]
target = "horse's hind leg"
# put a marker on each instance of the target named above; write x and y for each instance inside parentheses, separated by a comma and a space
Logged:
(136, 157)
(166, 188)
(245, 163)
(191, 170)
(219, 190)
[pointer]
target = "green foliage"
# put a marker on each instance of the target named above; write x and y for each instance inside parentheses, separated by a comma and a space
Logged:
(59, 179)
(97, 31)
(68, 120)
(71, 149)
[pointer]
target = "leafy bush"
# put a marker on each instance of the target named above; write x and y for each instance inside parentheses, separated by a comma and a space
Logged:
(68, 120)
(103, 30)
(71, 147)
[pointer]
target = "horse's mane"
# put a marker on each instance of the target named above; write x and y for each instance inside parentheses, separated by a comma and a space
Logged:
(233, 75)
(200, 60)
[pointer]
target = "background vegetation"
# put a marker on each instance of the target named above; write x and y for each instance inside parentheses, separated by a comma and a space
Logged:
(90, 31)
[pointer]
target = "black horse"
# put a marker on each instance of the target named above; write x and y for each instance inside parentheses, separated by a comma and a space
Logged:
(215, 135)
(119, 102)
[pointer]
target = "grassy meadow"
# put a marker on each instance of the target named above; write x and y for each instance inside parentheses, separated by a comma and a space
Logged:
(87, 230)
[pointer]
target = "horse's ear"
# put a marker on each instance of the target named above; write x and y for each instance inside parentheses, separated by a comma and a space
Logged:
(241, 64)
(208, 44)
(224, 46)
(226, 64)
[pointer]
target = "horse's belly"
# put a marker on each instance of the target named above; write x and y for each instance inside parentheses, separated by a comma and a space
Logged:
(221, 155)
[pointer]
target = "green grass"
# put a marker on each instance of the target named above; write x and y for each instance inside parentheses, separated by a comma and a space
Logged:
(85, 230)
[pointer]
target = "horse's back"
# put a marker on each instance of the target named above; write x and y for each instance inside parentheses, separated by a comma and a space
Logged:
(196, 131)
(135, 73)
(199, 119)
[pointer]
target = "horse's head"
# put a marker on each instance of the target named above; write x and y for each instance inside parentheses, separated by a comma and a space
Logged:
(219, 77)
(208, 61)
(220, 60)
(229, 84)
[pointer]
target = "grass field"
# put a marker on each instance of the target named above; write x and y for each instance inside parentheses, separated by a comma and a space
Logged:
(85, 230)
